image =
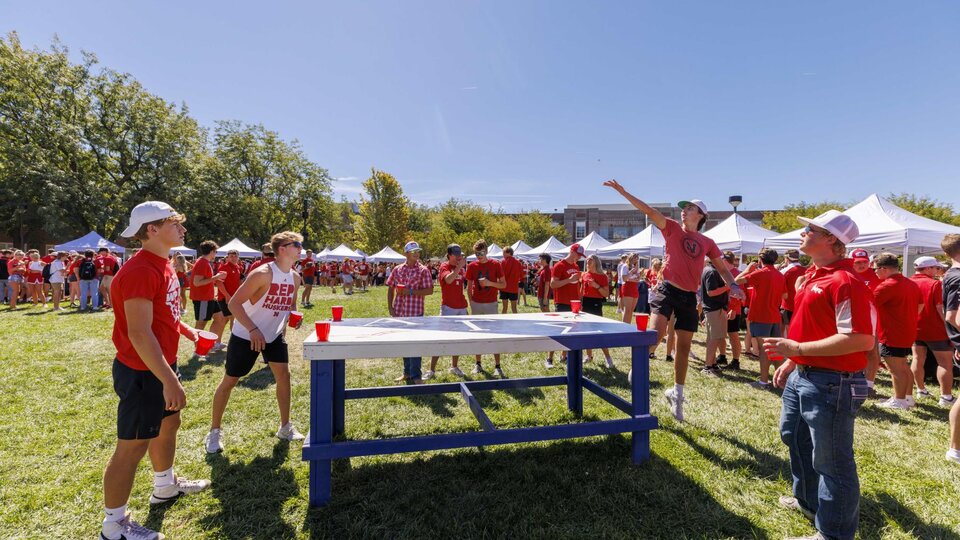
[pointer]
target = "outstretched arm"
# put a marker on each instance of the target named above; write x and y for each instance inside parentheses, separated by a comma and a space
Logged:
(655, 216)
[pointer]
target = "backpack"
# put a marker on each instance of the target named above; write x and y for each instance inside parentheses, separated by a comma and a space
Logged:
(88, 270)
(46, 272)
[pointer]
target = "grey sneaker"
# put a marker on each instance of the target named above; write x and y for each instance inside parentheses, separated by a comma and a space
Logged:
(289, 433)
(456, 371)
(944, 402)
(429, 375)
(675, 402)
(214, 441)
(609, 363)
(548, 363)
(792, 503)
(499, 373)
(180, 487)
(477, 369)
(760, 385)
(128, 529)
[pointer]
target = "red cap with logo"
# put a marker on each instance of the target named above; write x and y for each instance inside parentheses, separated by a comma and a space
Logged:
(860, 254)
(576, 248)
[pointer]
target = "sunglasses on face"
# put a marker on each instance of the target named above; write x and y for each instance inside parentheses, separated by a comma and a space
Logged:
(298, 244)
(481, 253)
(808, 230)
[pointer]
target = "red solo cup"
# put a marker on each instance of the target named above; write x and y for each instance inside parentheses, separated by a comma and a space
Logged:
(337, 312)
(642, 320)
(294, 319)
(575, 306)
(772, 353)
(205, 341)
(323, 330)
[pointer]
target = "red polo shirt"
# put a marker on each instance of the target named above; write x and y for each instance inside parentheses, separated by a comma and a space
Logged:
(930, 325)
(869, 278)
(791, 274)
(768, 287)
(564, 270)
(832, 300)
(898, 301)
(513, 273)
(452, 293)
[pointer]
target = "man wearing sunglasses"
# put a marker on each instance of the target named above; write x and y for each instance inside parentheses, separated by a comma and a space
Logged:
(485, 279)
(261, 307)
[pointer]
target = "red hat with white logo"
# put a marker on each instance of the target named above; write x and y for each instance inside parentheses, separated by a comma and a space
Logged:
(860, 255)
(577, 248)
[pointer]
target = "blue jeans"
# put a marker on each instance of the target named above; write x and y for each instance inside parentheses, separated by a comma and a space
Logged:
(4, 288)
(411, 368)
(89, 288)
(816, 424)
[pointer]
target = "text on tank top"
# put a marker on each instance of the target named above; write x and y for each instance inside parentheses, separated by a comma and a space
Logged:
(269, 313)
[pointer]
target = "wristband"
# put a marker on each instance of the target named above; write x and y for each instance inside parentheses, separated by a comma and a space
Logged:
(799, 349)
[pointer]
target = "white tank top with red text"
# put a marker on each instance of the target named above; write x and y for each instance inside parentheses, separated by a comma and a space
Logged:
(270, 312)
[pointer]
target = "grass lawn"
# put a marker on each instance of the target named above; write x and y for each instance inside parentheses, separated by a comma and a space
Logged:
(716, 476)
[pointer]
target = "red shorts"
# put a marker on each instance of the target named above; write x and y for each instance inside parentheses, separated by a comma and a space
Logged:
(630, 289)
(34, 279)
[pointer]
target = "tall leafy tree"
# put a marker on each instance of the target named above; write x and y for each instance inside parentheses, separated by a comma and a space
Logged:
(384, 213)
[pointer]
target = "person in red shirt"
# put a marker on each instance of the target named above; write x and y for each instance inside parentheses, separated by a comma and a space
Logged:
(565, 279)
(266, 257)
(452, 301)
(769, 291)
(333, 275)
(17, 269)
(630, 287)
(203, 290)
(792, 270)
(107, 266)
(823, 379)
(734, 318)
(676, 295)
(594, 289)
(484, 277)
(72, 272)
(931, 332)
(861, 267)
(408, 286)
(363, 274)
(898, 302)
(308, 270)
(512, 274)
(543, 294)
(146, 333)
(47, 260)
(226, 288)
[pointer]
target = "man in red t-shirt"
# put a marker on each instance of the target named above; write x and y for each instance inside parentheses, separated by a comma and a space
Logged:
(308, 269)
(452, 301)
(363, 274)
(226, 288)
(565, 279)
(203, 290)
(484, 277)
(769, 290)
(333, 275)
(685, 249)
(513, 274)
(898, 302)
(146, 334)
(107, 266)
(931, 332)
(861, 267)
(822, 377)
(791, 271)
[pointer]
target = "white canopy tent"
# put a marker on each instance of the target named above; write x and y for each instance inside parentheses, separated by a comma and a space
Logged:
(243, 249)
(91, 240)
(739, 235)
(646, 243)
(550, 246)
(493, 252)
(593, 243)
(342, 252)
(183, 250)
(322, 254)
(386, 255)
(519, 247)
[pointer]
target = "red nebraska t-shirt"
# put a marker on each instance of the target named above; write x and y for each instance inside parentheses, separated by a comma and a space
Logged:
(564, 270)
(589, 291)
(452, 293)
(791, 275)
(768, 288)
(363, 269)
(898, 302)
(930, 325)
(513, 273)
(202, 269)
(683, 255)
(308, 267)
(148, 276)
(232, 281)
(491, 270)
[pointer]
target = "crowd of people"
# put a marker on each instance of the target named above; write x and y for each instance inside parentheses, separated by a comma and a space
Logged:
(83, 279)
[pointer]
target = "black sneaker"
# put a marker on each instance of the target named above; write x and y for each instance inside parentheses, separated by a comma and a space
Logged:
(722, 360)
(669, 358)
(712, 371)
(735, 365)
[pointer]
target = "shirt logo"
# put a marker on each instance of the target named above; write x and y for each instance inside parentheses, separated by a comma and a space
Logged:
(816, 289)
(691, 247)
(173, 298)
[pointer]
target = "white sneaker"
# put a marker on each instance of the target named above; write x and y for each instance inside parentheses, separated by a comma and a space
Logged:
(910, 401)
(953, 455)
(180, 486)
(289, 433)
(429, 375)
(924, 394)
(499, 373)
(477, 369)
(456, 371)
(214, 441)
(894, 403)
(675, 402)
(630, 376)
(128, 529)
(217, 347)
(548, 363)
(587, 359)
(609, 363)
(947, 402)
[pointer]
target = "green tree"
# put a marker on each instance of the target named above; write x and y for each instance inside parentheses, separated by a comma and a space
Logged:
(536, 227)
(786, 220)
(384, 213)
(926, 207)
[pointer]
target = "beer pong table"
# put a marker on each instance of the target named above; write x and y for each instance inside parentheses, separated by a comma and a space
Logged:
(416, 337)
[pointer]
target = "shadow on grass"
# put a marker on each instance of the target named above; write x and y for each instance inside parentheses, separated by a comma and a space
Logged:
(878, 511)
(760, 463)
(586, 488)
(190, 368)
(259, 380)
(440, 404)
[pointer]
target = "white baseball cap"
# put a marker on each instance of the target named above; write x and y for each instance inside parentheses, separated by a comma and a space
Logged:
(926, 262)
(411, 246)
(839, 225)
(145, 213)
(699, 204)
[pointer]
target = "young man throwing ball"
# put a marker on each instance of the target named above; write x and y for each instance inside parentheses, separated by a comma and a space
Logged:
(146, 332)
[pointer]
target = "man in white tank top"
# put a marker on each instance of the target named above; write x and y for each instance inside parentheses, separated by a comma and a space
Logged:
(261, 307)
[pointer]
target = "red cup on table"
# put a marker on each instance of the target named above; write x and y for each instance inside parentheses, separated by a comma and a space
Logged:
(205, 341)
(337, 312)
(294, 319)
(642, 320)
(323, 330)
(575, 306)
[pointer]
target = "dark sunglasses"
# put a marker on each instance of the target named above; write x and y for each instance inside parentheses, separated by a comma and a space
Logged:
(808, 229)
(298, 244)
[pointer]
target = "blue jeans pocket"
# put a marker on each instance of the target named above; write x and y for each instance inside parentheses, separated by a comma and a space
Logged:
(858, 395)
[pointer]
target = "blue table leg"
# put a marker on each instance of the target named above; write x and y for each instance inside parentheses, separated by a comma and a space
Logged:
(321, 427)
(575, 382)
(640, 398)
(339, 385)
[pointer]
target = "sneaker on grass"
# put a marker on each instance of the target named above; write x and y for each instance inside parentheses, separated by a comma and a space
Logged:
(548, 363)
(429, 375)
(456, 371)
(214, 441)
(128, 529)
(722, 360)
(923, 393)
(791, 503)
(289, 433)
(734, 366)
(499, 372)
(675, 402)
(477, 369)
(180, 487)
(894, 403)
(953, 455)
(760, 385)
(609, 363)
(711, 371)
(944, 402)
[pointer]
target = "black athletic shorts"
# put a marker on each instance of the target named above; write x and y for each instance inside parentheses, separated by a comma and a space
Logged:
(240, 358)
(593, 306)
(309, 280)
(203, 310)
(142, 407)
(224, 308)
(560, 308)
(509, 295)
(901, 352)
(785, 316)
(734, 324)
(935, 345)
(668, 301)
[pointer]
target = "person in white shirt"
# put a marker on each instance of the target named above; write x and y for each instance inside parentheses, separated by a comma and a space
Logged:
(58, 272)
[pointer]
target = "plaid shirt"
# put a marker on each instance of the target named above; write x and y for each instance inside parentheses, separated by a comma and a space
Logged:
(414, 277)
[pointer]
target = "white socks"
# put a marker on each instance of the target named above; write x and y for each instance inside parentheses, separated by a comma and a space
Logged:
(163, 478)
(111, 521)
(869, 384)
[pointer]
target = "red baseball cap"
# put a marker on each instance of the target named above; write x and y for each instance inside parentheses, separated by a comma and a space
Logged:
(860, 254)
(577, 248)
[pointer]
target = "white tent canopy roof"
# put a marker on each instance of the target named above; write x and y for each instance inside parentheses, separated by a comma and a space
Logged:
(387, 255)
(342, 252)
(493, 252)
(183, 250)
(243, 249)
(91, 240)
(647, 243)
(519, 247)
(593, 243)
(550, 246)
(739, 235)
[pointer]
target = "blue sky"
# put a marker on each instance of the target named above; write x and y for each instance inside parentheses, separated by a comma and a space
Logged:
(525, 105)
